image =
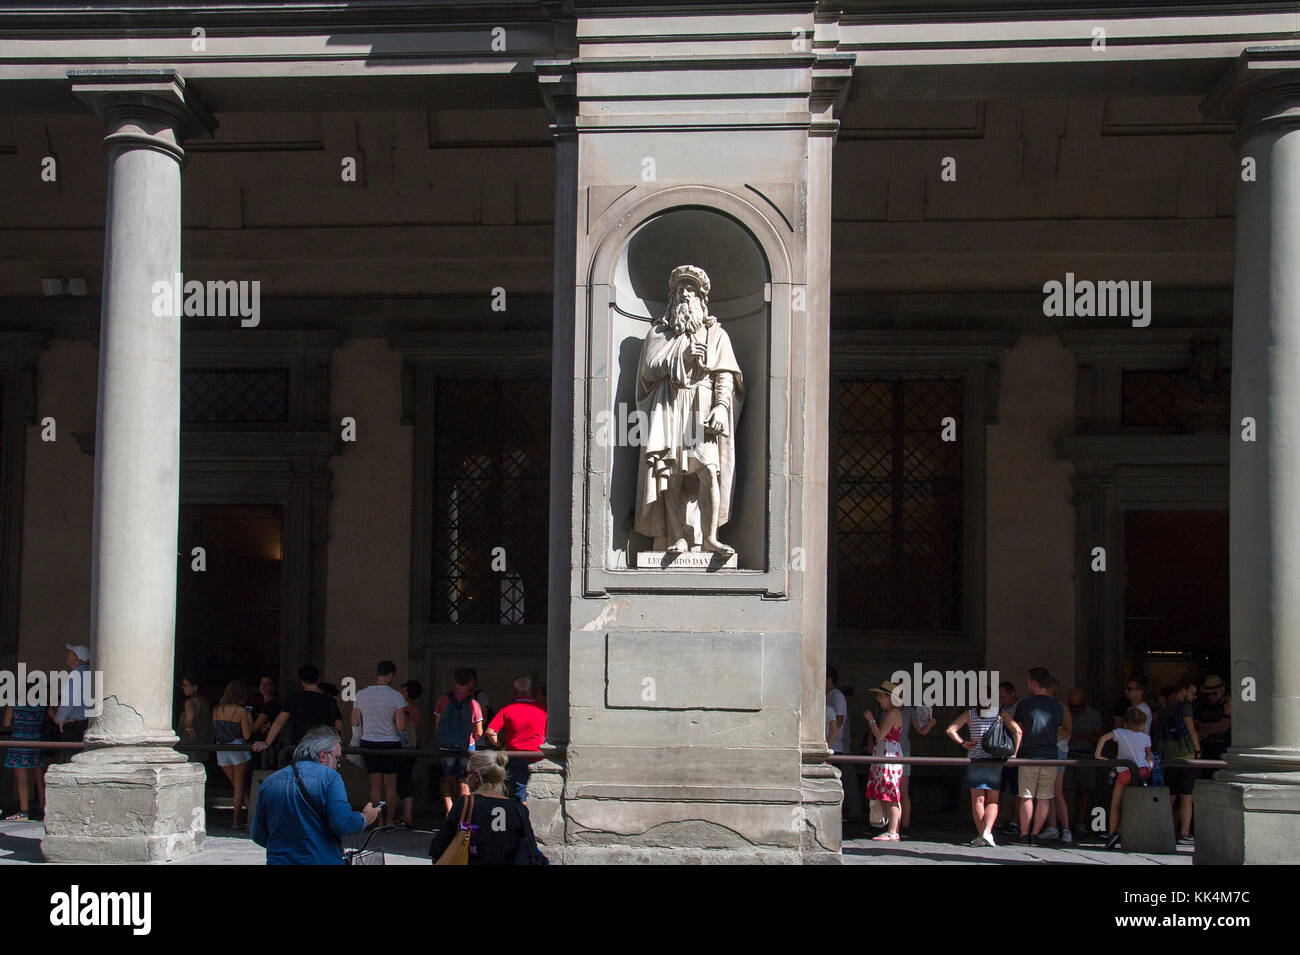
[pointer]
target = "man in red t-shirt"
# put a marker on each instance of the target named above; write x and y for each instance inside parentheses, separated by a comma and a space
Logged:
(524, 722)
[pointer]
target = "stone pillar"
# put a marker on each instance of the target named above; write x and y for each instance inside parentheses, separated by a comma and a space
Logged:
(546, 778)
(691, 724)
(1250, 812)
(129, 797)
(822, 790)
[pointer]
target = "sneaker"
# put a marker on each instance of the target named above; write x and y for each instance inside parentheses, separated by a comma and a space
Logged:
(1051, 832)
(1029, 840)
(18, 816)
(987, 839)
(977, 841)
(1186, 841)
(1067, 835)
(1111, 841)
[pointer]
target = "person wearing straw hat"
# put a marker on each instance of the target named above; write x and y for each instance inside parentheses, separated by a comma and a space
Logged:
(883, 782)
(1213, 716)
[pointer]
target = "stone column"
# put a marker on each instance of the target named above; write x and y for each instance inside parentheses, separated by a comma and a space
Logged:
(822, 791)
(1250, 812)
(546, 778)
(129, 797)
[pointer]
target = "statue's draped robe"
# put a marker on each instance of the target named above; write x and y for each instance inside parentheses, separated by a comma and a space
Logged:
(676, 398)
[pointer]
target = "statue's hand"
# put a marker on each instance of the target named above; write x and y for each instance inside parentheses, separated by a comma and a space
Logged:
(697, 351)
(717, 420)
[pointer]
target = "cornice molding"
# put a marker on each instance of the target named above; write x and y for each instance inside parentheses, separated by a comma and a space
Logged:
(471, 354)
(1103, 452)
(1152, 348)
(888, 349)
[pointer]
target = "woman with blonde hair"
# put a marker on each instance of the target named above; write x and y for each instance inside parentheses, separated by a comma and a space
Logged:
(501, 833)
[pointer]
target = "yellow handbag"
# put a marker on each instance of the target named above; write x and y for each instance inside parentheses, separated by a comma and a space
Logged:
(457, 851)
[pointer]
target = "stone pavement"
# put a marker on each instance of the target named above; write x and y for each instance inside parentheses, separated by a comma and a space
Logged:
(20, 843)
(931, 848)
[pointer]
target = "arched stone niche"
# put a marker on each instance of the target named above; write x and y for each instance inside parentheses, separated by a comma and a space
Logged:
(750, 296)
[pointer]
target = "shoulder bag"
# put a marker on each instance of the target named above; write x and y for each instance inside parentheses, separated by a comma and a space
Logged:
(457, 851)
(355, 856)
(997, 742)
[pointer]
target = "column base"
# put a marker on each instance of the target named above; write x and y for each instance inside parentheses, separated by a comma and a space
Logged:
(1239, 823)
(821, 841)
(123, 804)
(546, 802)
(620, 824)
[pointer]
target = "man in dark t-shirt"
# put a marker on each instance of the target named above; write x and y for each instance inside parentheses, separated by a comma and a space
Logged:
(1043, 720)
(308, 708)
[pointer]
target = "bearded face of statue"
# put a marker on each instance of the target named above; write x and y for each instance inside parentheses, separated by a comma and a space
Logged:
(686, 310)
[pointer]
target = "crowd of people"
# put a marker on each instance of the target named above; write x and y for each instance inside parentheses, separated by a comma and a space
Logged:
(303, 810)
(302, 807)
(66, 722)
(1041, 726)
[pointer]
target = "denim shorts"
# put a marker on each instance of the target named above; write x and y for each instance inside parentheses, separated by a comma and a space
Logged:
(984, 774)
(455, 767)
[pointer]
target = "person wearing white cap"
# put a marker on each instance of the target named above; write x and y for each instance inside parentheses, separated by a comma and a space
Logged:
(71, 714)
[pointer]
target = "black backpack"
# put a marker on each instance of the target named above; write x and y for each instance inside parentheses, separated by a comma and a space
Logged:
(455, 724)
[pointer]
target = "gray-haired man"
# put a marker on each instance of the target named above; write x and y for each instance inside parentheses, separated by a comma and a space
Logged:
(303, 809)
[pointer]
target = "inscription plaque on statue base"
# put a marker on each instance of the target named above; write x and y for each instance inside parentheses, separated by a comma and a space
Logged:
(691, 560)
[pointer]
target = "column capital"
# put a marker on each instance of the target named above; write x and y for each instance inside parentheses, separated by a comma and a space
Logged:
(559, 85)
(1260, 91)
(832, 73)
(144, 108)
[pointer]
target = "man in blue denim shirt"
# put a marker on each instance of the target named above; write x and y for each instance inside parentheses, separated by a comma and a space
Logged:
(294, 829)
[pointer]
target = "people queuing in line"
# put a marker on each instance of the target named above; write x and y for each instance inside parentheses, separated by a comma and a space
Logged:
(231, 724)
(265, 709)
(518, 727)
(1010, 789)
(379, 711)
(1135, 693)
(1043, 728)
(457, 727)
(920, 720)
(884, 779)
(1041, 717)
(411, 691)
(66, 722)
(195, 722)
(843, 744)
(1058, 812)
(1134, 744)
(984, 773)
(308, 708)
(70, 716)
(28, 723)
(1085, 725)
(1213, 716)
(1176, 738)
